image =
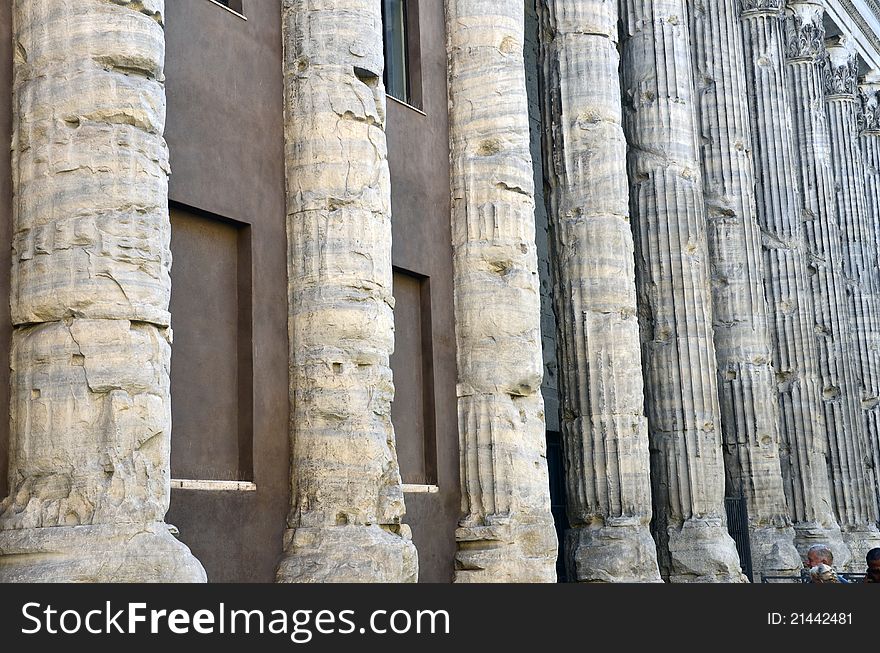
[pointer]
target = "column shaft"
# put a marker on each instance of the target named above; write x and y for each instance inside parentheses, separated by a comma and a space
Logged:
(870, 142)
(347, 500)
(669, 216)
(604, 429)
(506, 533)
(786, 279)
(91, 407)
(746, 380)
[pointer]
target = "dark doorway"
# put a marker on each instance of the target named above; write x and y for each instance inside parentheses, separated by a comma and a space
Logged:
(738, 527)
(556, 468)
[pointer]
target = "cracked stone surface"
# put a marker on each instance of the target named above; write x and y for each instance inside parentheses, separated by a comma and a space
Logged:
(870, 142)
(845, 420)
(345, 523)
(787, 281)
(506, 533)
(672, 272)
(605, 432)
(91, 412)
(851, 470)
(746, 380)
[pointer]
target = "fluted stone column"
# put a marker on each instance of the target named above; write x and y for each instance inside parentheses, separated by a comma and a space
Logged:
(506, 533)
(804, 33)
(870, 141)
(851, 468)
(347, 501)
(604, 429)
(91, 408)
(787, 280)
(746, 380)
(684, 418)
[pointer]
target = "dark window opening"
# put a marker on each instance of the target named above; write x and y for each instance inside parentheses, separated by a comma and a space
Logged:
(235, 5)
(738, 526)
(403, 77)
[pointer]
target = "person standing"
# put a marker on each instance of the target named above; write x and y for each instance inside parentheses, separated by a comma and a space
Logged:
(872, 573)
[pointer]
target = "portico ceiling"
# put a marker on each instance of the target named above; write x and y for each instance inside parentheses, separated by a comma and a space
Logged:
(860, 19)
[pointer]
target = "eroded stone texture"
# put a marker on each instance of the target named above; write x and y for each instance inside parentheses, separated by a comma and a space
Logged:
(506, 533)
(669, 216)
(870, 141)
(604, 429)
(746, 381)
(787, 282)
(851, 470)
(805, 35)
(91, 416)
(347, 501)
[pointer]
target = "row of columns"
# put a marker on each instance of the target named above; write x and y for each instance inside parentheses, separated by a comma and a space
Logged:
(756, 273)
(712, 202)
(796, 359)
(743, 312)
(808, 492)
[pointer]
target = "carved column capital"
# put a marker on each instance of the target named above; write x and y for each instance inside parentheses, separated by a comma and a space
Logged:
(869, 122)
(804, 31)
(750, 7)
(841, 69)
(869, 94)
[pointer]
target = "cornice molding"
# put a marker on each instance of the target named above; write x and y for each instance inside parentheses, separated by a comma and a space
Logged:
(861, 23)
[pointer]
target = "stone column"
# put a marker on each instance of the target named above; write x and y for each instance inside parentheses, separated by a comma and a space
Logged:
(746, 379)
(91, 408)
(684, 418)
(604, 429)
(347, 500)
(506, 533)
(854, 495)
(787, 280)
(870, 141)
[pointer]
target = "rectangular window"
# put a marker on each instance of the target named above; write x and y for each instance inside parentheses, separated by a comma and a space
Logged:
(403, 79)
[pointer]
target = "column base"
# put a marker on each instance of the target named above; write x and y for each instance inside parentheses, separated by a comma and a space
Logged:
(859, 543)
(506, 553)
(774, 552)
(809, 533)
(613, 552)
(348, 554)
(112, 553)
(702, 551)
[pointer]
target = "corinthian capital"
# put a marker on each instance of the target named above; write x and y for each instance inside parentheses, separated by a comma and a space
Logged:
(869, 92)
(804, 30)
(841, 68)
(762, 6)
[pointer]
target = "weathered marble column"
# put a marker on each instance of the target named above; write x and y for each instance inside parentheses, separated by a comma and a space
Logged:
(835, 339)
(746, 379)
(870, 141)
(787, 280)
(91, 408)
(854, 495)
(347, 501)
(684, 418)
(605, 434)
(506, 533)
